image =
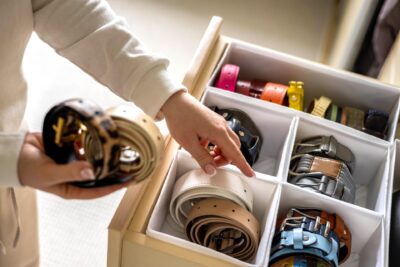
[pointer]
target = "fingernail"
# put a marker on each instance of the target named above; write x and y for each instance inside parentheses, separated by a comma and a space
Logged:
(87, 174)
(210, 169)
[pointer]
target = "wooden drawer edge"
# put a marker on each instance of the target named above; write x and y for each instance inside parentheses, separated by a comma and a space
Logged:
(138, 246)
(129, 214)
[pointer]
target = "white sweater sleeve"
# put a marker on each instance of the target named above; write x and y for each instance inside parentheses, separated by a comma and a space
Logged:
(10, 145)
(89, 34)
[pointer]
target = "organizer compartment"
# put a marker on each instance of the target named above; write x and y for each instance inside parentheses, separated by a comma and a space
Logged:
(366, 226)
(344, 88)
(275, 126)
(372, 163)
(265, 195)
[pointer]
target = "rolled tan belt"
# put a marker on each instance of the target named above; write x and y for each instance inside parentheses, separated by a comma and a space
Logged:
(122, 143)
(224, 226)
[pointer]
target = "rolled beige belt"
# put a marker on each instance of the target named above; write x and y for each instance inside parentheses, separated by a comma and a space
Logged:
(122, 143)
(224, 226)
(196, 185)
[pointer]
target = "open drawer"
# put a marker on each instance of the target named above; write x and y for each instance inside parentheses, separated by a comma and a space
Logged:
(140, 233)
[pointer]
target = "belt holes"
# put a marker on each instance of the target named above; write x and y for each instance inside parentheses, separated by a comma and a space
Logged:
(248, 220)
(233, 210)
(158, 138)
(215, 206)
(245, 190)
(144, 120)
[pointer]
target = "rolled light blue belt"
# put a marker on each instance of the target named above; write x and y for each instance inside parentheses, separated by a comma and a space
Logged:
(297, 241)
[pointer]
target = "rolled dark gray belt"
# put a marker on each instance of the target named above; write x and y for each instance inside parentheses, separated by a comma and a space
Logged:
(323, 175)
(326, 146)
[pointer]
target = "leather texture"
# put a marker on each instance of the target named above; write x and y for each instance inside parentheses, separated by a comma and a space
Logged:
(228, 77)
(249, 135)
(376, 123)
(323, 175)
(355, 117)
(224, 226)
(252, 88)
(313, 232)
(196, 185)
(295, 94)
(319, 106)
(325, 146)
(275, 93)
(122, 143)
(301, 260)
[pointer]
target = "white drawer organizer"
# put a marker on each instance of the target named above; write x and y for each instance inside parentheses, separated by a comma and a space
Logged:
(368, 219)
(141, 232)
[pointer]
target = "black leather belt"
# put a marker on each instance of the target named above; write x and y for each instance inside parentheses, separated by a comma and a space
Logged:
(323, 175)
(376, 123)
(326, 146)
(248, 133)
(121, 143)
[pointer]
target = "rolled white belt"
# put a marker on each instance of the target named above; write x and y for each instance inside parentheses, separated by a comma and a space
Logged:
(196, 185)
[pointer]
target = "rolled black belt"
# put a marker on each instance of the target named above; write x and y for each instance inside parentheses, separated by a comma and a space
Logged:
(326, 146)
(122, 144)
(323, 175)
(376, 123)
(248, 133)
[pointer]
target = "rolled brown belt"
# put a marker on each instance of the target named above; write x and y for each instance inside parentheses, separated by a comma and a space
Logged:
(122, 144)
(224, 226)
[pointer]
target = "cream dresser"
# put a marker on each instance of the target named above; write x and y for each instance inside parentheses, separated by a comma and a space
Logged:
(140, 234)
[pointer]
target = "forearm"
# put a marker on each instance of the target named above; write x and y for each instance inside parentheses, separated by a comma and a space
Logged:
(90, 35)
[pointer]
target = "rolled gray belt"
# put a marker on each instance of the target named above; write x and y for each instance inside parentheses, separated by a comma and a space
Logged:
(323, 175)
(326, 146)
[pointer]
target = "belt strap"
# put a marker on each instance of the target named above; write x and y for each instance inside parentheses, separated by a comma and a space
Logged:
(122, 144)
(252, 88)
(319, 106)
(140, 139)
(249, 135)
(323, 175)
(228, 77)
(196, 185)
(376, 123)
(326, 146)
(355, 118)
(297, 241)
(296, 95)
(274, 92)
(320, 222)
(301, 260)
(224, 226)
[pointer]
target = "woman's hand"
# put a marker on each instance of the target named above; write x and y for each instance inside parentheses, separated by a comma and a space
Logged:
(37, 170)
(194, 126)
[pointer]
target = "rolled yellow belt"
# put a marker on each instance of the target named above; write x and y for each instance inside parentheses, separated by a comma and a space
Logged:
(122, 143)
